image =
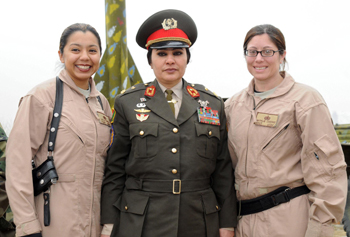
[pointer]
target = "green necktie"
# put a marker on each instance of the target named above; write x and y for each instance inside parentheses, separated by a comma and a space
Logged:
(169, 98)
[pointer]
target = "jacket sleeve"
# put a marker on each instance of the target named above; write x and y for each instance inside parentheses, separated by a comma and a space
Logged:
(324, 168)
(231, 149)
(27, 135)
(114, 178)
(223, 179)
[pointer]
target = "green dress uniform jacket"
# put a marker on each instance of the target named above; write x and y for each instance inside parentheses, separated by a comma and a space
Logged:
(148, 158)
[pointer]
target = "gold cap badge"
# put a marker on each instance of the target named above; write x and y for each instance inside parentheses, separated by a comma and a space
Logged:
(169, 24)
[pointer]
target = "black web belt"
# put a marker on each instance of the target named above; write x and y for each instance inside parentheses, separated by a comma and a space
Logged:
(272, 199)
(175, 186)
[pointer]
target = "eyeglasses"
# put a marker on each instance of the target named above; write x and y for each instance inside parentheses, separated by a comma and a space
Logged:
(264, 53)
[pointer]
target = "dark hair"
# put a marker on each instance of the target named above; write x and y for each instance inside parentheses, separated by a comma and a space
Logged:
(149, 55)
(275, 35)
(78, 27)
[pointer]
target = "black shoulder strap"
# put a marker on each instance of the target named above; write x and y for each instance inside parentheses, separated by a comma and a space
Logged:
(100, 101)
(56, 113)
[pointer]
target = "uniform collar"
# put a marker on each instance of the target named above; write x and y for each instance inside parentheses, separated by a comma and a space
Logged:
(281, 89)
(177, 89)
(69, 81)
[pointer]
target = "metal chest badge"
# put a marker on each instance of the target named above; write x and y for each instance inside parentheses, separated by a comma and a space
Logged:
(206, 114)
(142, 117)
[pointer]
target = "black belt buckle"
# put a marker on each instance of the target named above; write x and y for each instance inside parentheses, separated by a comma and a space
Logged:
(281, 197)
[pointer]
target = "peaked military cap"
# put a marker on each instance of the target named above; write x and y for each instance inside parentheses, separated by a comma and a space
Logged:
(167, 29)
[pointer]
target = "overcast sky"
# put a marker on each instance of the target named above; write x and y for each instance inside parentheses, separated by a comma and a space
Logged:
(317, 34)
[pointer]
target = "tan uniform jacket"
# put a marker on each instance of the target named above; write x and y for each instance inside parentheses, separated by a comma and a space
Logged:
(80, 151)
(301, 148)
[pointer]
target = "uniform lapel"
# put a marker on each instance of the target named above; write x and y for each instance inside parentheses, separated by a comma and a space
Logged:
(158, 105)
(188, 107)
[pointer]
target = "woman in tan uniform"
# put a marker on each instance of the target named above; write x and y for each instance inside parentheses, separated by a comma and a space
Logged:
(82, 141)
(290, 173)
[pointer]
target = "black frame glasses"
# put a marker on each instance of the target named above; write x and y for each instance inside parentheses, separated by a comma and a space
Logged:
(263, 53)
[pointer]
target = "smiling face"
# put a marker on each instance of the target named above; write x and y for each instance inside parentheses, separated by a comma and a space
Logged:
(81, 57)
(265, 70)
(169, 65)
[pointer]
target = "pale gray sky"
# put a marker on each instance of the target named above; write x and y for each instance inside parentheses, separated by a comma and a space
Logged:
(317, 34)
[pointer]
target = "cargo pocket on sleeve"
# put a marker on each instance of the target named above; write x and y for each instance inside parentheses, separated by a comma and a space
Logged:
(211, 215)
(133, 208)
(325, 155)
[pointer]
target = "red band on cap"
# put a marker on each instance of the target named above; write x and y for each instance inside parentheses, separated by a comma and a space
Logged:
(166, 35)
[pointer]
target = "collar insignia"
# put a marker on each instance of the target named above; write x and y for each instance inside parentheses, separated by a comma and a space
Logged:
(193, 92)
(150, 91)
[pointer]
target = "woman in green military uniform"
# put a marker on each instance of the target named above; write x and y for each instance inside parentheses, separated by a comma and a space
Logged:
(168, 172)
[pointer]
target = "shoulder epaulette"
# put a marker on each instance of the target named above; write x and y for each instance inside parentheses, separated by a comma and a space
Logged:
(202, 88)
(136, 87)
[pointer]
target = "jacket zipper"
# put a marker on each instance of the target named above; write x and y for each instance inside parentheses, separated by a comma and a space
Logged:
(246, 156)
(260, 103)
(94, 170)
(275, 137)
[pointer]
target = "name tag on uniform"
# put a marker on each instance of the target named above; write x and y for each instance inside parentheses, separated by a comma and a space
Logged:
(266, 120)
(103, 119)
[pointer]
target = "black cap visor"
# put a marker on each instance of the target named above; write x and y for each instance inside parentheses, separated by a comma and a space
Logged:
(169, 44)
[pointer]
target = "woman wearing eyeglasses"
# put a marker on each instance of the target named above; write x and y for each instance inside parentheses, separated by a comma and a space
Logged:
(289, 167)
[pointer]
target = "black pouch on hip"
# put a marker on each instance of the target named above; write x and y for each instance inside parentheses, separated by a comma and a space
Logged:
(44, 176)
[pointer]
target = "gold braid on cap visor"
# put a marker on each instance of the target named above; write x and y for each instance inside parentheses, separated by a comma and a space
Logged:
(149, 43)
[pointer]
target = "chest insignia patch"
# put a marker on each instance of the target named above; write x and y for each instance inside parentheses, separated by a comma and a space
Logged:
(266, 120)
(143, 99)
(203, 104)
(112, 136)
(113, 115)
(193, 92)
(150, 91)
(141, 105)
(208, 116)
(103, 119)
(142, 117)
(142, 110)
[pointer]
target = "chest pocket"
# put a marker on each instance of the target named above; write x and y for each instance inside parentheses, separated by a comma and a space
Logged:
(208, 137)
(144, 139)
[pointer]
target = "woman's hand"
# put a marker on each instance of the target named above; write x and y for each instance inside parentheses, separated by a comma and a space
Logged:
(225, 233)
